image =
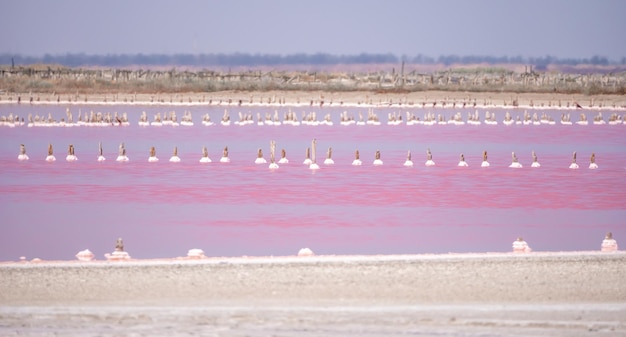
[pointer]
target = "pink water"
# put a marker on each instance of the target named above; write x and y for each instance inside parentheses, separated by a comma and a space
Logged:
(53, 210)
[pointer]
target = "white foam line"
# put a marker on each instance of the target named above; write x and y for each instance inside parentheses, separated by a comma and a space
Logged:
(311, 259)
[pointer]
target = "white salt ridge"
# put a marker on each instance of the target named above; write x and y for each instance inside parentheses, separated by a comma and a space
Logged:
(243, 260)
(85, 255)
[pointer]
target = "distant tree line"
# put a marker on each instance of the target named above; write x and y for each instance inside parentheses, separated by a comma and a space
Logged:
(251, 60)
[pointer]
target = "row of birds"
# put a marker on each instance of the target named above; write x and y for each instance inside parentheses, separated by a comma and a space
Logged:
(310, 159)
(311, 118)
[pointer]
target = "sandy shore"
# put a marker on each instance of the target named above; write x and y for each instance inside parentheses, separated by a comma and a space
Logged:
(443, 99)
(556, 294)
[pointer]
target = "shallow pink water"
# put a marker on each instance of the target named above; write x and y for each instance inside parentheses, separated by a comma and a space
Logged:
(53, 210)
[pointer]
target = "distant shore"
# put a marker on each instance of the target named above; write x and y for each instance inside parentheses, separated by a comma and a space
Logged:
(321, 99)
(559, 294)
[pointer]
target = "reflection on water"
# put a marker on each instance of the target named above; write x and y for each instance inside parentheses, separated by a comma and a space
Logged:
(53, 210)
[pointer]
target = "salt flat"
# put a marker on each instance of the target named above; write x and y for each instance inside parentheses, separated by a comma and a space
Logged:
(556, 294)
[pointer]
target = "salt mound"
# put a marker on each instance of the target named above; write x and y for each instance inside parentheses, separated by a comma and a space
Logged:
(117, 256)
(305, 252)
(85, 255)
(195, 253)
(520, 246)
(609, 244)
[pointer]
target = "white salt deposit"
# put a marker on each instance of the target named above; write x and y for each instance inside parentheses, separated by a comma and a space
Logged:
(195, 253)
(117, 256)
(609, 244)
(520, 246)
(85, 255)
(305, 252)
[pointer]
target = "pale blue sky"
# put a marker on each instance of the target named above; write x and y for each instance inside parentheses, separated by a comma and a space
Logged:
(561, 28)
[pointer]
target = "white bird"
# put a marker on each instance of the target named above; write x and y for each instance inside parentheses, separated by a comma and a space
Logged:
(174, 158)
(205, 155)
(408, 162)
(514, 161)
(357, 160)
(22, 156)
(573, 165)
(485, 163)
(50, 156)
(153, 158)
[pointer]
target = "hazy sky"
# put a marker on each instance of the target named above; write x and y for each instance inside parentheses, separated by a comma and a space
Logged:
(561, 28)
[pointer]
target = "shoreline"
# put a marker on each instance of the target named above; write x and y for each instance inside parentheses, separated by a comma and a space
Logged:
(543, 277)
(321, 99)
(295, 259)
(507, 294)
